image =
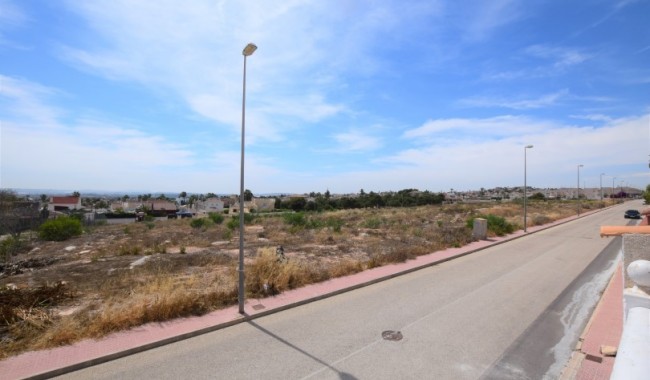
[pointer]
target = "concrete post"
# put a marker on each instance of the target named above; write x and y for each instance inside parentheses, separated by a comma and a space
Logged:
(480, 229)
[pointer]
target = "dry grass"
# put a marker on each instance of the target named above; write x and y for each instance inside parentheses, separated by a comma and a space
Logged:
(119, 277)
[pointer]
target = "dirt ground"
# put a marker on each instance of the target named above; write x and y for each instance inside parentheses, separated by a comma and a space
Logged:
(111, 264)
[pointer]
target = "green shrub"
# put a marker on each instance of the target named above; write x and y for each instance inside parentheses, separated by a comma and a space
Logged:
(216, 217)
(495, 224)
(295, 219)
(335, 224)
(372, 223)
(9, 247)
(59, 229)
(233, 223)
(197, 223)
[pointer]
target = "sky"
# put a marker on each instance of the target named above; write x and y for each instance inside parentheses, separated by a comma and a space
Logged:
(341, 95)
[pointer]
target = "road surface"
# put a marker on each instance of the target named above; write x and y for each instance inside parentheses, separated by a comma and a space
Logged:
(514, 310)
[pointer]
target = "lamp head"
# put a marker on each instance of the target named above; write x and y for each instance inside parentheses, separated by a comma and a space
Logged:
(528, 146)
(249, 49)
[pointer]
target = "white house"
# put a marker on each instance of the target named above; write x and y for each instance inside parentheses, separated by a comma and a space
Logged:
(64, 203)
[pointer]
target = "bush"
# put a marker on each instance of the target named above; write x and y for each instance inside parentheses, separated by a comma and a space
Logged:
(372, 223)
(495, 224)
(335, 224)
(198, 223)
(233, 223)
(216, 217)
(295, 219)
(9, 247)
(60, 229)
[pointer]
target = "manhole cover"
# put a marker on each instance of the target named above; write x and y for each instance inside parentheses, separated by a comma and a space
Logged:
(391, 335)
(258, 307)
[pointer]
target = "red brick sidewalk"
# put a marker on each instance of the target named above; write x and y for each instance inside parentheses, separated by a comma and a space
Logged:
(604, 329)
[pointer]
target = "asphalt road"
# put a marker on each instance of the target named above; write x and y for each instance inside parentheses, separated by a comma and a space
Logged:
(514, 310)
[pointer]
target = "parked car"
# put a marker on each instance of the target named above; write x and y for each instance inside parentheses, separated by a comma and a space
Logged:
(633, 214)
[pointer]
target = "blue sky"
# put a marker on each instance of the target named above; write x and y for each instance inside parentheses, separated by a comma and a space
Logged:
(145, 96)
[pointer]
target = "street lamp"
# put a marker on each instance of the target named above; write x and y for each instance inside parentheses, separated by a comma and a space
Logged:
(613, 179)
(525, 189)
(579, 204)
(601, 186)
(248, 50)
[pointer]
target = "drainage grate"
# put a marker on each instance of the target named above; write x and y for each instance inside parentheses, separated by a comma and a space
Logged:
(391, 335)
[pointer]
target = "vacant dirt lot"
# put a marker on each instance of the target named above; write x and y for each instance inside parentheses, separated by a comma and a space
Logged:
(116, 277)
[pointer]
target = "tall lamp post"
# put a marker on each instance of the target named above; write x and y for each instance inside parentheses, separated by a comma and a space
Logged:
(248, 50)
(601, 186)
(525, 190)
(579, 204)
(613, 179)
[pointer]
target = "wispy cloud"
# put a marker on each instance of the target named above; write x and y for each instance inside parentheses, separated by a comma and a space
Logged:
(560, 57)
(593, 117)
(357, 141)
(507, 126)
(547, 61)
(517, 104)
(75, 149)
(11, 17)
(481, 18)
(467, 158)
(306, 50)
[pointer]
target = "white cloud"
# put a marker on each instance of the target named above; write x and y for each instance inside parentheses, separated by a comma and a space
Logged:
(481, 18)
(466, 161)
(38, 147)
(305, 49)
(357, 141)
(476, 129)
(11, 17)
(517, 104)
(560, 57)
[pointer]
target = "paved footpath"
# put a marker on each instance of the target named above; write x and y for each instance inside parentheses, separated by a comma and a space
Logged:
(604, 329)
(57, 361)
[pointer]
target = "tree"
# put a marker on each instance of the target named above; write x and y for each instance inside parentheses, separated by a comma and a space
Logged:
(193, 199)
(76, 194)
(44, 198)
(248, 195)
(537, 196)
(183, 195)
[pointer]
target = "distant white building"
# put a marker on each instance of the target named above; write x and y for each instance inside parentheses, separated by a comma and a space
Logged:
(210, 205)
(263, 204)
(64, 203)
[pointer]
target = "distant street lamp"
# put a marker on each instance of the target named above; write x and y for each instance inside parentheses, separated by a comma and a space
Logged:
(601, 185)
(248, 50)
(525, 190)
(579, 204)
(613, 179)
